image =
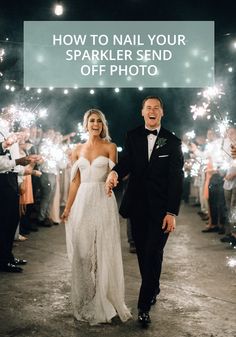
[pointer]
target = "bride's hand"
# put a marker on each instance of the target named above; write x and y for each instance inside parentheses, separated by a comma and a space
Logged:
(65, 215)
(111, 182)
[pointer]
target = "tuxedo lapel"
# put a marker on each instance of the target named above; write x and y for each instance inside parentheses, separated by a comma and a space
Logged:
(161, 134)
(143, 145)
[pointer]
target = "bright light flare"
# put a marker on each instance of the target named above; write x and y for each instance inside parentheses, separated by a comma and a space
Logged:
(58, 9)
(42, 113)
(231, 262)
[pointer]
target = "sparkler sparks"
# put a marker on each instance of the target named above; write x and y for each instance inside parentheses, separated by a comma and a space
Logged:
(81, 133)
(52, 153)
(23, 116)
(199, 111)
(2, 53)
(190, 135)
(223, 125)
(210, 95)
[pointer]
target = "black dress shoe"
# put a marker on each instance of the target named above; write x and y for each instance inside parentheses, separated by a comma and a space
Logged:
(211, 230)
(11, 268)
(221, 231)
(205, 218)
(144, 319)
(44, 223)
(19, 261)
(227, 238)
(33, 228)
(24, 231)
(233, 241)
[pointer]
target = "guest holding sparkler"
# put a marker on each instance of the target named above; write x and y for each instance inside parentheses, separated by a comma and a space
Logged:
(11, 167)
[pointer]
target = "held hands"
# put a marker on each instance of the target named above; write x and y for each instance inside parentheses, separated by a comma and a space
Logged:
(111, 182)
(169, 223)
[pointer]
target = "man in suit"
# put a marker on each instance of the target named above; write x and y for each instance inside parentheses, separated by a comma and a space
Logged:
(153, 159)
(10, 166)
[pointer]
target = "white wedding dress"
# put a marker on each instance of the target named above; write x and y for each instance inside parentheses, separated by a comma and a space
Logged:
(94, 246)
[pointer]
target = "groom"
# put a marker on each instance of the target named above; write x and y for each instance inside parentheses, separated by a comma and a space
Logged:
(153, 159)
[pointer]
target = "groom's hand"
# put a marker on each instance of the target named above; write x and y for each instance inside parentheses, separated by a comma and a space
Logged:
(169, 223)
(111, 182)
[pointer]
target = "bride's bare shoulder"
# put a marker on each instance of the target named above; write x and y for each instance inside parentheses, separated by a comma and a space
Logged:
(112, 146)
(109, 145)
(111, 149)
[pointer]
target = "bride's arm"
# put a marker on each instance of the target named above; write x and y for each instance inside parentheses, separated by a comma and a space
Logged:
(112, 179)
(74, 185)
(113, 153)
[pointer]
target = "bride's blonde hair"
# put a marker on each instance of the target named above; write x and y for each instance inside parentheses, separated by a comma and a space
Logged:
(105, 132)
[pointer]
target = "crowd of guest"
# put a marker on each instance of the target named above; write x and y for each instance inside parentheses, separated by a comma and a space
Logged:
(34, 180)
(210, 177)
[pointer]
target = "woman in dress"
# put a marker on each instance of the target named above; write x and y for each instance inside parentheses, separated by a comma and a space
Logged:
(92, 229)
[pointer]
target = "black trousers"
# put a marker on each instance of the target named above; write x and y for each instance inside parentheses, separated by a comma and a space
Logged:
(9, 215)
(217, 203)
(150, 240)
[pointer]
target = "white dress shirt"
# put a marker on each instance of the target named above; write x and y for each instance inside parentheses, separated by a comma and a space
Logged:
(7, 164)
(151, 140)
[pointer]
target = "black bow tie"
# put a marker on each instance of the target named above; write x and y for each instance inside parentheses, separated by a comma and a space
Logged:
(148, 132)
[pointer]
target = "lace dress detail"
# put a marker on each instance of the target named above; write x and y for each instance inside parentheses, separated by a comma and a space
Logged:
(94, 247)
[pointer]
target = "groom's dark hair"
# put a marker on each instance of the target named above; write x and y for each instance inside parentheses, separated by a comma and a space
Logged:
(152, 97)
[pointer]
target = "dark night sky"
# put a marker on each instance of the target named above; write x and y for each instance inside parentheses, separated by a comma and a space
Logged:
(122, 110)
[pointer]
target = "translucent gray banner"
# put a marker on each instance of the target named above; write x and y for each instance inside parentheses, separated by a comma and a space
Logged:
(69, 54)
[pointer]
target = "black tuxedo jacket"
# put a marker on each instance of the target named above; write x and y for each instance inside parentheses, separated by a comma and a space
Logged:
(155, 185)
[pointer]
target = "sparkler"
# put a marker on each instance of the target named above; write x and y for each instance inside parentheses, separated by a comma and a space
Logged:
(211, 106)
(199, 111)
(81, 133)
(212, 93)
(210, 96)
(2, 53)
(190, 135)
(52, 153)
(23, 116)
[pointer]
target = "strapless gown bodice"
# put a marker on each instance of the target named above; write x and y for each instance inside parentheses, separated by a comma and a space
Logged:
(92, 172)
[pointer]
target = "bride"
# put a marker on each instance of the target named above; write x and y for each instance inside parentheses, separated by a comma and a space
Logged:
(92, 229)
